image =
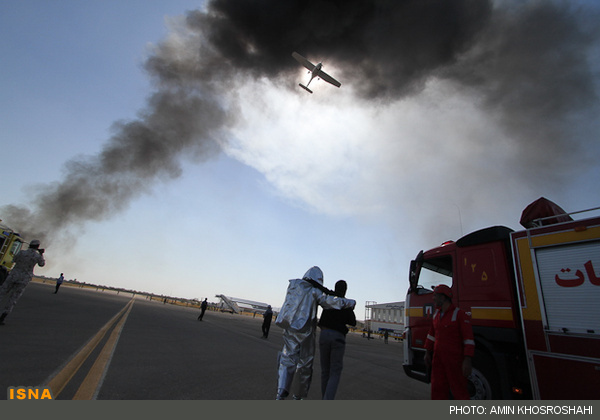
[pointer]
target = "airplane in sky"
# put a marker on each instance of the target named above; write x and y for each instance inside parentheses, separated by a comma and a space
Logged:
(316, 72)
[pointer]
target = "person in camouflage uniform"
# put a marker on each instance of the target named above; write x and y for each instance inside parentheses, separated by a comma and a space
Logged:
(20, 276)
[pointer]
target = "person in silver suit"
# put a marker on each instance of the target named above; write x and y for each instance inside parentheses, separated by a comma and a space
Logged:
(298, 318)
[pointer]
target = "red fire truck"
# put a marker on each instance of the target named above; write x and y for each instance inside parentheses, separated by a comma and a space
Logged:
(534, 300)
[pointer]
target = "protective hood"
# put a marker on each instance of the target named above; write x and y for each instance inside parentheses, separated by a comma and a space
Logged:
(315, 274)
(299, 310)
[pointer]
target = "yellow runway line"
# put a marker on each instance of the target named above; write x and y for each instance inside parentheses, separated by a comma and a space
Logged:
(62, 378)
(90, 384)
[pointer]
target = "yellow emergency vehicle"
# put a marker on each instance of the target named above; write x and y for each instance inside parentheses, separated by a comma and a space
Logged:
(10, 244)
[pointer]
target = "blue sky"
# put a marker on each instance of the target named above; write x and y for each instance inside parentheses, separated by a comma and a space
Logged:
(354, 187)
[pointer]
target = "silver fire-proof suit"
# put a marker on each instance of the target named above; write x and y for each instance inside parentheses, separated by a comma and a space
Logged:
(298, 318)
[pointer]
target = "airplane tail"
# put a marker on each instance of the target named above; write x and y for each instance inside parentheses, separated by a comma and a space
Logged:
(304, 87)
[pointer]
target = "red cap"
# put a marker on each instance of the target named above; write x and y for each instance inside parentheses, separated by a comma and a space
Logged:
(444, 290)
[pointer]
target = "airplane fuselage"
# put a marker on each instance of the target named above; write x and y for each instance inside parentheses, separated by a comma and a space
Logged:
(315, 72)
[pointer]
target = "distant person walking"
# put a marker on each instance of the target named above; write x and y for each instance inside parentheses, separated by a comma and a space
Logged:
(20, 276)
(59, 281)
(203, 307)
(332, 343)
(266, 325)
(298, 318)
(450, 347)
(386, 334)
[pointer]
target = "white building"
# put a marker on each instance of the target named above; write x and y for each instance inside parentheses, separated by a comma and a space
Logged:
(385, 316)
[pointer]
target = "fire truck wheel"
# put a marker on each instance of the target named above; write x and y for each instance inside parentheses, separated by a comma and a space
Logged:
(482, 382)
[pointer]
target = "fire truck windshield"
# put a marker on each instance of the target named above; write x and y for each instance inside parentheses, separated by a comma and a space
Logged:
(16, 247)
(436, 271)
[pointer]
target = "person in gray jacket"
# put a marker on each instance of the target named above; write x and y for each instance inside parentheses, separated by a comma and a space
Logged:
(298, 318)
(20, 276)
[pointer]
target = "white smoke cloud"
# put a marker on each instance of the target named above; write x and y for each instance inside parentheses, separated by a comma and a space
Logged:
(418, 163)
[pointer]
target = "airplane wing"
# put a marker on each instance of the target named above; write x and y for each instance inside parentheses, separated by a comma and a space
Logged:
(329, 79)
(303, 61)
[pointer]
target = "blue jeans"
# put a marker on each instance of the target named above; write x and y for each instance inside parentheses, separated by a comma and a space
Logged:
(332, 345)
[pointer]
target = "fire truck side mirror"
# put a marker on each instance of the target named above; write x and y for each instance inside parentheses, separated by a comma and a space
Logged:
(415, 270)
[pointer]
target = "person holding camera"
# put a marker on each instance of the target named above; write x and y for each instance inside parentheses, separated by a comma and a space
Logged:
(20, 276)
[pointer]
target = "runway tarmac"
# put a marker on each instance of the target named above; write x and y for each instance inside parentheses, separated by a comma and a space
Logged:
(88, 344)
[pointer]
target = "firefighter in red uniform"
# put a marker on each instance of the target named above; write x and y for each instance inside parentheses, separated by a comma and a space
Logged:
(450, 339)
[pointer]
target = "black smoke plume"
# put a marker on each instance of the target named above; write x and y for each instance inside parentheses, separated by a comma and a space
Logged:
(527, 61)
